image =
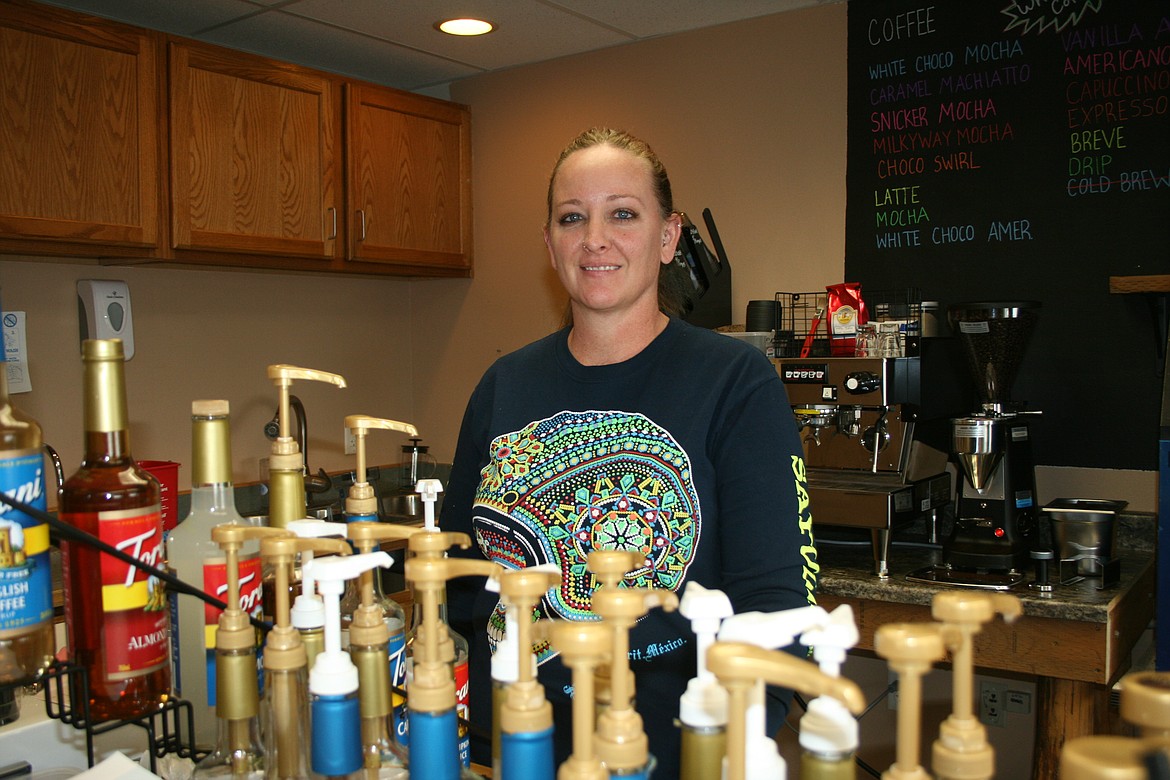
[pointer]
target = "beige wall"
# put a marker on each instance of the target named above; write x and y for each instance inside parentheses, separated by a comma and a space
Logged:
(211, 334)
(750, 120)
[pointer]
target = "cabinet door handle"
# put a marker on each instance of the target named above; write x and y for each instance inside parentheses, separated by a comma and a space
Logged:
(333, 232)
(362, 217)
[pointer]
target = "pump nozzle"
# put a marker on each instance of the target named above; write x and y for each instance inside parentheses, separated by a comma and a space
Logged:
(910, 649)
(584, 646)
(361, 501)
(521, 590)
(621, 741)
(334, 673)
(285, 658)
(429, 489)
(366, 535)
(702, 709)
(230, 537)
(962, 749)
(433, 689)
(741, 667)
(828, 733)
(308, 609)
(286, 467)
(704, 705)
(333, 680)
(281, 551)
(770, 631)
(237, 691)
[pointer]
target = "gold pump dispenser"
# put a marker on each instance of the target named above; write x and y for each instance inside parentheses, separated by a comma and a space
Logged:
(286, 464)
(609, 569)
(384, 713)
(739, 666)
(584, 647)
(524, 708)
(285, 664)
(962, 751)
(432, 688)
(237, 692)
(621, 741)
(1145, 703)
(370, 629)
(361, 500)
(910, 649)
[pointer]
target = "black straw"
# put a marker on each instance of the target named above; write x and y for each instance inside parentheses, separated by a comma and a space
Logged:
(63, 530)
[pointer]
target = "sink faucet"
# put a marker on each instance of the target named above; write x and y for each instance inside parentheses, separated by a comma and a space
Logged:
(314, 483)
(57, 470)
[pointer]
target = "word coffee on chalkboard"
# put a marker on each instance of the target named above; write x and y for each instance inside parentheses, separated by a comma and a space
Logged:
(1020, 149)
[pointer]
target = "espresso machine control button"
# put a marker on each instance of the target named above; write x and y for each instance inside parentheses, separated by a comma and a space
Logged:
(860, 382)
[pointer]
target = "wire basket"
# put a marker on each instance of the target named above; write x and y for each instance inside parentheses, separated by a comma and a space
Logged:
(803, 314)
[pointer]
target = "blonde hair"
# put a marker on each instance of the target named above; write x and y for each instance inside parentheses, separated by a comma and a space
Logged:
(619, 139)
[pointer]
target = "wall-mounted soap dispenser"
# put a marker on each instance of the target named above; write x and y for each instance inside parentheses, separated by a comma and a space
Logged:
(103, 312)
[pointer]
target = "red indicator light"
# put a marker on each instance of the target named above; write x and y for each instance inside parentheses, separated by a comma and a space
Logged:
(998, 533)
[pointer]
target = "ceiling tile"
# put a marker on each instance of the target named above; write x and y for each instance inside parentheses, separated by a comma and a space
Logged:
(284, 36)
(393, 42)
(664, 17)
(178, 18)
(526, 30)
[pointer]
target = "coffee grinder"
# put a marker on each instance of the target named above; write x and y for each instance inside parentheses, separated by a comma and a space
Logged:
(996, 511)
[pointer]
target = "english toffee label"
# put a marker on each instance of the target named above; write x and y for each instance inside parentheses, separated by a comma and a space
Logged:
(26, 586)
(134, 603)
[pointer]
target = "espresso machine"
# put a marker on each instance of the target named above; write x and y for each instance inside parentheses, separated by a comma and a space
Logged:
(996, 511)
(873, 429)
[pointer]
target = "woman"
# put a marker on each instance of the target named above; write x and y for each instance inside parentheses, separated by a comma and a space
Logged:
(628, 429)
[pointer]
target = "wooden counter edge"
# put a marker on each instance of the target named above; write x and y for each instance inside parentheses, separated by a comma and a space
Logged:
(1043, 646)
(1140, 284)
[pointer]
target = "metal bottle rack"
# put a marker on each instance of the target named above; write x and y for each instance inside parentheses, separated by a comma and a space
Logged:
(170, 729)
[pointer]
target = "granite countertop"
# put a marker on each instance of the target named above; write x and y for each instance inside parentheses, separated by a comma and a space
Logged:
(847, 571)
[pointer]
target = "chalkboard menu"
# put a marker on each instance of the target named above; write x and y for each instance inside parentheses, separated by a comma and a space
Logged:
(1004, 150)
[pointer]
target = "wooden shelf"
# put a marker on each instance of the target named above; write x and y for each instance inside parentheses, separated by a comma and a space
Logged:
(1140, 284)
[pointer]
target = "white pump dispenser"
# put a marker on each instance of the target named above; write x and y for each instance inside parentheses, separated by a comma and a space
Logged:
(333, 679)
(702, 709)
(772, 630)
(429, 490)
(705, 702)
(334, 672)
(308, 610)
(828, 729)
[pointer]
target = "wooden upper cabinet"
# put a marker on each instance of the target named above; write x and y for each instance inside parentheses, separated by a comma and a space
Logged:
(408, 163)
(79, 142)
(254, 166)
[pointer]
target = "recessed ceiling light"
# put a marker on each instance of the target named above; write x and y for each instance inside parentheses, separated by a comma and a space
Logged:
(465, 26)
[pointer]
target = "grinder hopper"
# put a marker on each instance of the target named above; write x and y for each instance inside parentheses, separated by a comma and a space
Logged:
(994, 336)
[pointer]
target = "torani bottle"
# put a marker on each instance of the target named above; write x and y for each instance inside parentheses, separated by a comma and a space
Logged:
(199, 561)
(115, 614)
(26, 587)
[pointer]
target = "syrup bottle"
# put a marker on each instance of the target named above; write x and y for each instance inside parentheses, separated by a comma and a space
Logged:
(115, 615)
(26, 627)
(197, 559)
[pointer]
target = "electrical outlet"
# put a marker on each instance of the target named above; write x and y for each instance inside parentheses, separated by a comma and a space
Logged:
(350, 442)
(992, 702)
